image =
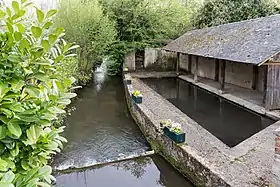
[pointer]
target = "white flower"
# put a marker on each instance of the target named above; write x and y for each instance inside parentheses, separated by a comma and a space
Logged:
(176, 125)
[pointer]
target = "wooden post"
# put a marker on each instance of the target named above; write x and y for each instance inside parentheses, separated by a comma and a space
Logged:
(190, 64)
(255, 77)
(265, 86)
(217, 70)
(178, 63)
(223, 73)
(196, 69)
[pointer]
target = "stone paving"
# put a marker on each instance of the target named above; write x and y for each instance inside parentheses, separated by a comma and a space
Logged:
(247, 164)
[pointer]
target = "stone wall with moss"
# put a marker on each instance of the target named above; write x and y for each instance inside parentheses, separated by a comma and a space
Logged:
(182, 160)
(157, 59)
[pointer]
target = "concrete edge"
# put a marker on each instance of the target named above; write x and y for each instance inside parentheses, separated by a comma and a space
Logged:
(201, 175)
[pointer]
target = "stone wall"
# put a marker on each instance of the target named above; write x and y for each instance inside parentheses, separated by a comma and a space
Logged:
(236, 73)
(129, 61)
(276, 164)
(157, 59)
(239, 74)
(176, 155)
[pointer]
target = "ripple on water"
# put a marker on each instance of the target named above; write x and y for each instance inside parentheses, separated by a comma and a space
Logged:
(100, 129)
(143, 172)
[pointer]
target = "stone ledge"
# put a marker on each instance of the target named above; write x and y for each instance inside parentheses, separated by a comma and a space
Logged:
(204, 159)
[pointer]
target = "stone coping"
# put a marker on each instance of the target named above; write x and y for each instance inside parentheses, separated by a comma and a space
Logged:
(247, 164)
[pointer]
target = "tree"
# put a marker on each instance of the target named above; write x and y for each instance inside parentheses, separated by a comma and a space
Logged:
(216, 12)
(142, 23)
(86, 24)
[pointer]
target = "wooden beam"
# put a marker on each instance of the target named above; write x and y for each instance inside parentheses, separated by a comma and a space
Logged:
(272, 64)
(178, 63)
(196, 69)
(217, 70)
(255, 77)
(223, 74)
(190, 64)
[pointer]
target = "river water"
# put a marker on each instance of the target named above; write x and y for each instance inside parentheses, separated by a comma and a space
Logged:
(101, 130)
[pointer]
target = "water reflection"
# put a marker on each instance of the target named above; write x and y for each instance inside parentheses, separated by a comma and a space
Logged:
(228, 122)
(144, 172)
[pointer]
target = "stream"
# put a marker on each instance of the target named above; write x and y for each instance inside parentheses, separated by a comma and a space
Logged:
(100, 131)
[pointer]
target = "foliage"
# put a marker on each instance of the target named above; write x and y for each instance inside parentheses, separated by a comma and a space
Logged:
(143, 23)
(136, 93)
(87, 25)
(216, 12)
(166, 122)
(173, 126)
(31, 95)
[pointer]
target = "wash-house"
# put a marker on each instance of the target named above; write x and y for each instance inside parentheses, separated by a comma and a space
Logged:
(243, 56)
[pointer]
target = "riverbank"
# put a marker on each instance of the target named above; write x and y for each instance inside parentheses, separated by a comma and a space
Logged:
(203, 159)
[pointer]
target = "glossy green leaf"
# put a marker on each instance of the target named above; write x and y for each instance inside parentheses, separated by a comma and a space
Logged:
(73, 47)
(32, 91)
(3, 165)
(51, 13)
(57, 110)
(10, 27)
(69, 95)
(15, 129)
(33, 133)
(7, 112)
(4, 119)
(17, 85)
(36, 31)
(59, 31)
(52, 38)
(18, 36)
(40, 15)
(15, 6)
(3, 132)
(27, 118)
(8, 177)
(23, 1)
(20, 27)
(26, 167)
(44, 122)
(64, 102)
(19, 14)
(47, 25)
(6, 184)
(46, 45)
(2, 14)
(24, 43)
(9, 12)
(14, 152)
(16, 107)
(45, 171)
(14, 58)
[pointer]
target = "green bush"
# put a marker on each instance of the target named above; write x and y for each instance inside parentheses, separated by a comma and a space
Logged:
(32, 96)
(86, 24)
(143, 23)
(216, 12)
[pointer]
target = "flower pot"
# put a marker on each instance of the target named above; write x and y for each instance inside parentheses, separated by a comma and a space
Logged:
(137, 99)
(177, 138)
(128, 81)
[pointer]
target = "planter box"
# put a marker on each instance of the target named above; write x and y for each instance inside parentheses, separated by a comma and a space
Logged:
(137, 100)
(177, 138)
(128, 81)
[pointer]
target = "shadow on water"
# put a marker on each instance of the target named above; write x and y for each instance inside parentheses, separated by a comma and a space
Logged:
(143, 172)
(228, 122)
(100, 129)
